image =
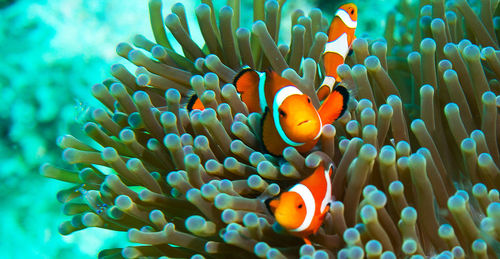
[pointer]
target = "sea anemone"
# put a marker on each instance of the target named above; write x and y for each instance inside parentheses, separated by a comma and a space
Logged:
(417, 154)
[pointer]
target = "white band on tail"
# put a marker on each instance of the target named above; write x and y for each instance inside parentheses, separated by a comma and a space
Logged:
(329, 81)
(328, 195)
(308, 199)
(344, 16)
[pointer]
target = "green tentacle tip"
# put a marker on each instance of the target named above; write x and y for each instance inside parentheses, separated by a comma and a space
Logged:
(368, 152)
(306, 250)
(358, 70)
(488, 225)
(351, 236)
(168, 118)
(372, 63)
(237, 146)
(484, 160)
(223, 201)
(394, 100)
(172, 141)
(409, 246)
(229, 216)
(385, 110)
(493, 210)
(123, 202)
(387, 155)
(458, 252)
(379, 46)
(208, 116)
(173, 95)
(199, 226)
(402, 147)
(192, 160)
(428, 45)
(174, 178)
(209, 191)
(251, 220)
(368, 214)
(396, 188)
(426, 90)
(90, 219)
(489, 98)
(438, 25)
(414, 57)
(313, 160)
(356, 252)
(260, 249)
(388, 255)
(367, 190)
(471, 53)
(446, 231)
(456, 203)
(451, 109)
(479, 190)
(409, 214)
(274, 253)
(445, 255)
(373, 248)
(320, 254)
(479, 246)
(468, 145)
(488, 52)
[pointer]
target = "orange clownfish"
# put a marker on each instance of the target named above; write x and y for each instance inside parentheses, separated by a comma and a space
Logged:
(302, 209)
(289, 118)
(340, 38)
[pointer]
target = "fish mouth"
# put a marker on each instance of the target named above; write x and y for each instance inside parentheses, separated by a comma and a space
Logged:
(306, 121)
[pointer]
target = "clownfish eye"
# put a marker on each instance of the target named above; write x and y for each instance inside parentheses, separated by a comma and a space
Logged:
(351, 10)
(282, 113)
(300, 206)
(308, 100)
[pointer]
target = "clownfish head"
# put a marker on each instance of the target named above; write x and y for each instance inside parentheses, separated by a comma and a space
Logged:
(289, 210)
(349, 14)
(295, 116)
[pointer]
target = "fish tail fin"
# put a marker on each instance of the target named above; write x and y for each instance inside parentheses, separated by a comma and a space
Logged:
(194, 103)
(246, 83)
(334, 105)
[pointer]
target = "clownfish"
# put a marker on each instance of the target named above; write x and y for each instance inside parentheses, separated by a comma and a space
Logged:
(302, 209)
(340, 38)
(288, 116)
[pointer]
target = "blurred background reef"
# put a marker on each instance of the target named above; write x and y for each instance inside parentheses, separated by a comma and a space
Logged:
(52, 53)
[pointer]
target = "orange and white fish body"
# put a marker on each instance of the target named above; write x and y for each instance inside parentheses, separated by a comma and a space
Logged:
(340, 38)
(302, 209)
(288, 116)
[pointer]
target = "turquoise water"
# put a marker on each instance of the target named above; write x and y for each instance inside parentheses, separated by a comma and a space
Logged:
(52, 53)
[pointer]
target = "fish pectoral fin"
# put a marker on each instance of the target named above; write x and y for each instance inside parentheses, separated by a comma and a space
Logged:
(273, 204)
(247, 85)
(307, 241)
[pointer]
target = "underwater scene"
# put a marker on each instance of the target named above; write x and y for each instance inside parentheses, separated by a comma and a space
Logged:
(256, 129)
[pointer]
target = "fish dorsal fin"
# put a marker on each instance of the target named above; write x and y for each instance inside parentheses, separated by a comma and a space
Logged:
(195, 103)
(247, 85)
(334, 106)
(270, 136)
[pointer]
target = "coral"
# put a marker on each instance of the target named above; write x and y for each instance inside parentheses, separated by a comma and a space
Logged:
(417, 155)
